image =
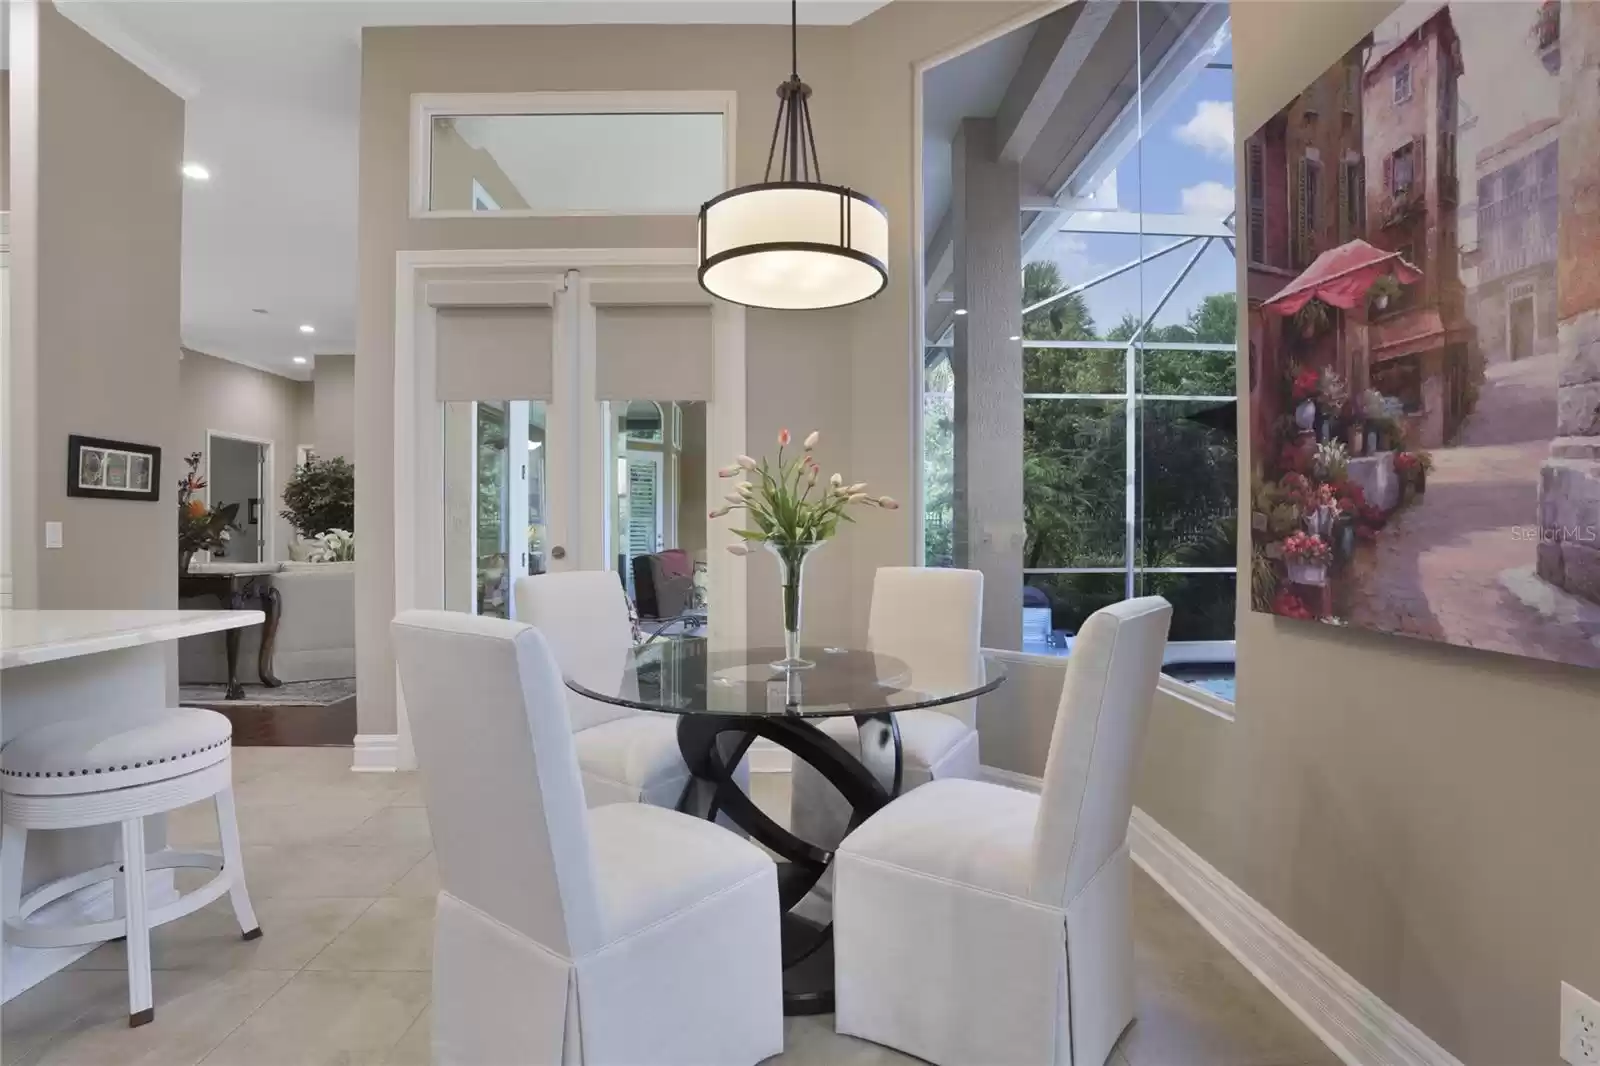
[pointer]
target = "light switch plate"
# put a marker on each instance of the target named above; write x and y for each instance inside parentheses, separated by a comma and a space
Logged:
(52, 534)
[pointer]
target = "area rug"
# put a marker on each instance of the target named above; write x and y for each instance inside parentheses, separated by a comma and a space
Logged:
(290, 694)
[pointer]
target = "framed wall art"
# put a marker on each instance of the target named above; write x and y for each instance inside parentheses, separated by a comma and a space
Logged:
(103, 469)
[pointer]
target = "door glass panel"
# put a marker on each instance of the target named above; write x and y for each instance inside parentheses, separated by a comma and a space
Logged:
(658, 531)
(495, 501)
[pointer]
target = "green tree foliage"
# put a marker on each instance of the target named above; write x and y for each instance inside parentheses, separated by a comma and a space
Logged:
(1075, 456)
(321, 496)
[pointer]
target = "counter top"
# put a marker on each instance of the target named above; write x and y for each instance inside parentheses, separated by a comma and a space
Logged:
(29, 637)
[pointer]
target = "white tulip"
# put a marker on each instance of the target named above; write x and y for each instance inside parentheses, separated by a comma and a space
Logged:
(860, 486)
(836, 480)
(857, 497)
(887, 503)
(811, 441)
(720, 512)
(734, 497)
(729, 471)
(746, 462)
(745, 489)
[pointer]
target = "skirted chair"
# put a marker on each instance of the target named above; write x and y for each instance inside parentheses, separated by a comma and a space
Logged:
(623, 935)
(930, 619)
(627, 756)
(978, 923)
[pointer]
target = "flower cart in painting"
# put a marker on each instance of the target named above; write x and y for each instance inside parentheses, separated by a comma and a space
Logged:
(1329, 479)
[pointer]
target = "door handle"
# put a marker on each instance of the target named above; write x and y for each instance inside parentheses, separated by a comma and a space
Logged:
(558, 552)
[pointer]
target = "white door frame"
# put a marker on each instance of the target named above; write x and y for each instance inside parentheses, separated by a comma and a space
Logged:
(268, 481)
(419, 429)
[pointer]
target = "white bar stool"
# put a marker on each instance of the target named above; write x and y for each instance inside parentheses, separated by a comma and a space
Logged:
(119, 769)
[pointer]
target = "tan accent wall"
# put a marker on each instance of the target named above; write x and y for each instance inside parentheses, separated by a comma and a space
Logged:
(96, 344)
(1422, 814)
(456, 165)
(235, 399)
(5, 140)
(333, 421)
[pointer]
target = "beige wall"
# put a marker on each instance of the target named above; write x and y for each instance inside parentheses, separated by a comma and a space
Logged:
(333, 424)
(692, 505)
(243, 401)
(96, 323)
(456, 165)
(1423, 814)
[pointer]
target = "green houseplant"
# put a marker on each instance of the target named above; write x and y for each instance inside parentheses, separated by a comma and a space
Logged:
(321, 496)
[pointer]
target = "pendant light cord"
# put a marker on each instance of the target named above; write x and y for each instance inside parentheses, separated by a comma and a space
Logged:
(794, 38)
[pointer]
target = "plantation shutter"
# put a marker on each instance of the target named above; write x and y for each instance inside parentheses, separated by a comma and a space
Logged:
(1256, 180)
(653, 341)
(1344, 201)
(641, 507)
(1303, 203)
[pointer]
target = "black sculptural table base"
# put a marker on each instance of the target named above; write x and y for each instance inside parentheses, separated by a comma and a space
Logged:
(713, 746)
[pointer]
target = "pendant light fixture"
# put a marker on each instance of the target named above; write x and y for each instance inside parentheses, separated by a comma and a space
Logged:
(794, 242)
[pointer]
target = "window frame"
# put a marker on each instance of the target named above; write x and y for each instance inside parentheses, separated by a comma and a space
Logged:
(426, 107)
(1402, 82)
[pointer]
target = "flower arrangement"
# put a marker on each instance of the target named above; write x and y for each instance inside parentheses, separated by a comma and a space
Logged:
(334, 546)
(1332, 460)
(792, 513)
(1333, 393)
(1288, 605)
(1312, 318)
(1306, 548)
(1385, 288)
(200, 529)
(1305, 384)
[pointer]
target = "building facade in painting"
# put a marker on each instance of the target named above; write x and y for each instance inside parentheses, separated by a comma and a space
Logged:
(1422, 348)
(1569, 485)
(1303, 193)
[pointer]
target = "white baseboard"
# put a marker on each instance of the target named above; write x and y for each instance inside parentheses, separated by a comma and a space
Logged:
(26, 967)
(1355, 1024)
(376, 753)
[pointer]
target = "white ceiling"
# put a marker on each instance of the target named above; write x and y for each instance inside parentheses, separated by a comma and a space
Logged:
(273, 111)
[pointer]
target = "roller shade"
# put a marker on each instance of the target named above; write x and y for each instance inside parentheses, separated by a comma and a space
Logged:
(653, 351)
(494, 353)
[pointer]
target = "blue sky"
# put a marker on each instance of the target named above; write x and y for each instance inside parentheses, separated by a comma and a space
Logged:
(1185, 159)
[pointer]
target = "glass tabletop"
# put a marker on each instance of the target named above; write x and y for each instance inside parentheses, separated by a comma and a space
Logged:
(686, 677)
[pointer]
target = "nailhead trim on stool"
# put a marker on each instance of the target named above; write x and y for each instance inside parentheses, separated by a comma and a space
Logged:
(85, 772)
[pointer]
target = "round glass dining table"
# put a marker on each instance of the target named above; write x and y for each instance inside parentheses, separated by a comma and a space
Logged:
(727, 699)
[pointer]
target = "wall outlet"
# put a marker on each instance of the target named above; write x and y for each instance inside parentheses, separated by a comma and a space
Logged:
(1580, 1028)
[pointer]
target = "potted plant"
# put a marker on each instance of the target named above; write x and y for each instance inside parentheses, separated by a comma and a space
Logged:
(1331, 461)
(1313, 318)
(1307, 555)
(1412, 469)
(333, 546)
(321, 496)
(200, 529)
(1384, 289)
(793, 515)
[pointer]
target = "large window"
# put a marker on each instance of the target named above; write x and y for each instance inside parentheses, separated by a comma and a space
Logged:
(1129, 352)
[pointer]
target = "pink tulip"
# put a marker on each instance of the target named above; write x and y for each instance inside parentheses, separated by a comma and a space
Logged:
(729, 471)
(783, 438)
(887, 503)
(811, 441)
(720, 512)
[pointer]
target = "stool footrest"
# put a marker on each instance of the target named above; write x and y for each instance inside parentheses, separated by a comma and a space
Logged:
(24, 933)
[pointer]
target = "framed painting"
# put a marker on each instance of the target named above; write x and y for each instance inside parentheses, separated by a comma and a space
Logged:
(103, 469)
(1424, 333)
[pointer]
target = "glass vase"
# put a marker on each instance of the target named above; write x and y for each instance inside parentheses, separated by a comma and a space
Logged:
(791, 571)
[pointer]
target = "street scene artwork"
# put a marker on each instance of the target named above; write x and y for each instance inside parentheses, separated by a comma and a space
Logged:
(1423, 235)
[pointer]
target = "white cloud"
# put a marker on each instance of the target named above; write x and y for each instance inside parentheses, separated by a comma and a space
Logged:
(1211, 128)
(1211, 199)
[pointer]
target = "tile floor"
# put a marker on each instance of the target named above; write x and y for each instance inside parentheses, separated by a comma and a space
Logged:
(342, 876)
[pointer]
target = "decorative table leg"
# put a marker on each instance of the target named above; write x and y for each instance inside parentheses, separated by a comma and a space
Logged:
(272, 604)
(712, 760)
(235, 602)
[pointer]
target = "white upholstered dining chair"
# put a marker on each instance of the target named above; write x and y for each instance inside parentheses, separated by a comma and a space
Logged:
(627, 756)
(625, 935)
(978, 923)
(930, 619)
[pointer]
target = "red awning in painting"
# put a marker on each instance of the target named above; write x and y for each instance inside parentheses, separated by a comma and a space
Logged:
(1341, 277)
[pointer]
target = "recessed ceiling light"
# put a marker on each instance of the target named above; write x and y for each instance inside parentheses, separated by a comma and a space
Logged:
(1017, 338)
(961, 310)
(196, 172)
(307, 327)
(300, 359)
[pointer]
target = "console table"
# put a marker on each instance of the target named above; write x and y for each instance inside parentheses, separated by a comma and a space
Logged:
(235, 585)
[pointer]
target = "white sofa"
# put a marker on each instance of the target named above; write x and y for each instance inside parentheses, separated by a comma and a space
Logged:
(316, 630)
